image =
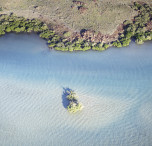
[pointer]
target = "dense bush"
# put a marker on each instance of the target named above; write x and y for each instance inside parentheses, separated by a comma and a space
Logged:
(11, 23)
(137, 28)
(74, 106)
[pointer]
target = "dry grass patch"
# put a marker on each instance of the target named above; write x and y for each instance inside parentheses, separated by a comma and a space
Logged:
(98, 15)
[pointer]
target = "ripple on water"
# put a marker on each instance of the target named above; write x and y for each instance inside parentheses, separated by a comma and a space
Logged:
(114, 87)
(145, 112)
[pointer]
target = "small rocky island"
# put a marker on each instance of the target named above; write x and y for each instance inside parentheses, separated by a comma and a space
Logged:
(74, 105)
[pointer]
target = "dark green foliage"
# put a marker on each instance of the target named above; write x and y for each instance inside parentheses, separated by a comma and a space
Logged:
(8, 29)
(125, 42)
(19, 29)
(136, 29)
(117, 44)
(74, 105)
(141, 37)
(11, 23)
(132, 29)
(129, 34)
(2, 32)
(67, 34)
(100, 47)
(52, 45)
(105, 46)
(127, 22)
(136, 6)
(19, 24)
(46, 34)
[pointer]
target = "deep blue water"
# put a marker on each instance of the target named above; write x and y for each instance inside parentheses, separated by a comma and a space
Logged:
(115, 87)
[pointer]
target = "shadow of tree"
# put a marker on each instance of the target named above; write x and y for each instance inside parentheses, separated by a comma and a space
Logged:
(65, 101)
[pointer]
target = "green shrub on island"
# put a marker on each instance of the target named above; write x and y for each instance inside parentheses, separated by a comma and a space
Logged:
(137, 28)
(67, 34)
(105, 46)
(141, 37)
(11, 23)
(71, 95)
(117, 44)
(74, 106)
(21, 24)
(100, 46)
(47, 34)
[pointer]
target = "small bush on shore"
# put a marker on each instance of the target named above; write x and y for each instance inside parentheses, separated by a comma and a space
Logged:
(137, 28)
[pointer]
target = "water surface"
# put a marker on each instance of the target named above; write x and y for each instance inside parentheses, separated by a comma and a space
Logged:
(114, 86)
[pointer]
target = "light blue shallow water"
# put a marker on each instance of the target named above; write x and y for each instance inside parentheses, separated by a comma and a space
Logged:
(115, 87)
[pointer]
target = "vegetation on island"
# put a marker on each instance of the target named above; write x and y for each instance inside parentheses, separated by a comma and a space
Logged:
(97, 15)
(135, 29)
(74, 105)
(11, 23)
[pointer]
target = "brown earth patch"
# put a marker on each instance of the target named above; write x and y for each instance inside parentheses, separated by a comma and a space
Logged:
(149, 26)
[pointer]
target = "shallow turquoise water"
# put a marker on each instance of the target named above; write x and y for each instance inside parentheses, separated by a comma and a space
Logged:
(115, 87)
